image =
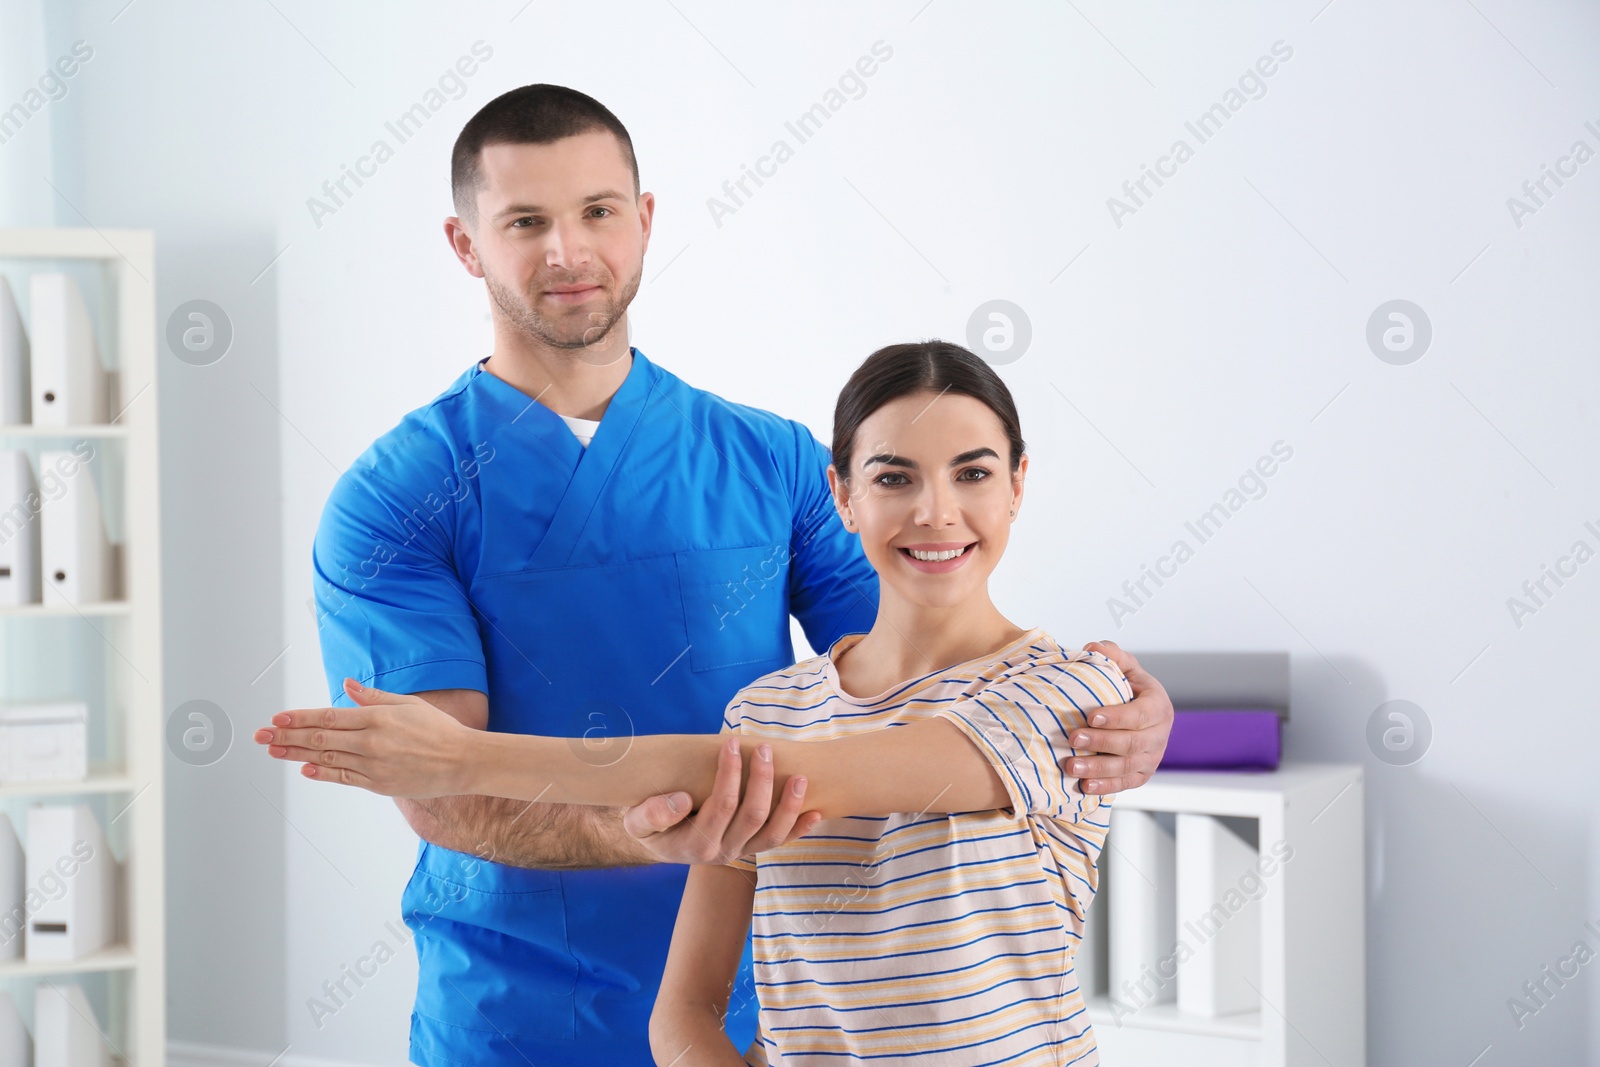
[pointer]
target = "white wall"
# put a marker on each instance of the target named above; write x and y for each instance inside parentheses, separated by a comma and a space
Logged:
(1227, 313)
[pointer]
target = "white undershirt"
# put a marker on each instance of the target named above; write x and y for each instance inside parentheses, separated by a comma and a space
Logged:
(582, 429)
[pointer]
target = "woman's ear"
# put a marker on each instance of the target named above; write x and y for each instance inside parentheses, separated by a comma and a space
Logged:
(841, 496)
(1017, 478)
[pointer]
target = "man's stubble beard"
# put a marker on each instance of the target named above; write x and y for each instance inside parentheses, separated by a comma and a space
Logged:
(584, 330)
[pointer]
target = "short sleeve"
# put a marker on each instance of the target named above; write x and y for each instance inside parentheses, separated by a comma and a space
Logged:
(730, 722)
(1022, 724)
(833, 590)
(391, 610)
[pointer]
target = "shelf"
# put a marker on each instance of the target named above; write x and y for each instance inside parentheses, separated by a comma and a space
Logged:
(1252, 882)
(97, 430)
(125, 785)
(102, 779)
(1248, 794)
(1244, 1026)
(101, 607)
(112, 958)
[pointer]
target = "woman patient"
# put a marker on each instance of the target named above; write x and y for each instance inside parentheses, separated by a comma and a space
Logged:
(935, 913)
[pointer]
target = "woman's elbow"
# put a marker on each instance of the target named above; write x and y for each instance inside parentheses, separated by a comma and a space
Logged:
(671, 1030)
(660, 1031)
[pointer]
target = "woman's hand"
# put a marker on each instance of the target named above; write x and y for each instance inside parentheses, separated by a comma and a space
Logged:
(391, 743)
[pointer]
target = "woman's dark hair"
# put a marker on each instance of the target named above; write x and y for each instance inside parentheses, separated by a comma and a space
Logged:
(531, 114)
(932, 366)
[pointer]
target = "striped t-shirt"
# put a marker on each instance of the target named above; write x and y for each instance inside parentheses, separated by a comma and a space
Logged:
(946, 939)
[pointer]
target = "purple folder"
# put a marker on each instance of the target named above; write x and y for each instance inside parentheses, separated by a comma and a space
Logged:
(1224, 739)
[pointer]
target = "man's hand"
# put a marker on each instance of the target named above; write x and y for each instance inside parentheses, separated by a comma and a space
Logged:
(1131, 738)
(725, 828)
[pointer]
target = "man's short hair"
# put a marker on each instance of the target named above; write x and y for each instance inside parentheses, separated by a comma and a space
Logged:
(532, 114)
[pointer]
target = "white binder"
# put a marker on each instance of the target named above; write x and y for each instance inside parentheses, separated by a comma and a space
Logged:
(19, 530)
(65, 1031)
(65, 846)
(1221, 920)
(69, 382)
(75, 555)
(16, 401)
(13, 895)
(15, 1044)
(1143, 906)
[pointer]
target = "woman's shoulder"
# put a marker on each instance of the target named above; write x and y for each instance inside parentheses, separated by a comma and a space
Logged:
(803, 676)
(1045, 658)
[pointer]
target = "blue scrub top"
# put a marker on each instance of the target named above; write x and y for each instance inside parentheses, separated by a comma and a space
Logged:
(632, 587)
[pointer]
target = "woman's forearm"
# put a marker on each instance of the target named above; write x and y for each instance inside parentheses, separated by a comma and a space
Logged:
(927, 766)
(612, 772)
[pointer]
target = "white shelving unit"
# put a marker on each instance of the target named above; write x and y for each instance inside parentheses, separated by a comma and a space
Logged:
(107, 654)
(1292, 938)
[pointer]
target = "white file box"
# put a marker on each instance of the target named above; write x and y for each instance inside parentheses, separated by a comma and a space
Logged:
(13, 895)
(19, 531)
(65, 1030)
(16, 399)
(69, 382)
(1142, 901)
(16, 1047)
(1221, 917)
(44, 742)
(71, 867)
(74, 554)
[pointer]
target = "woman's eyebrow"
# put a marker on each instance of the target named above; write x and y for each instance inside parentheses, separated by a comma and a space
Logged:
(892, 460)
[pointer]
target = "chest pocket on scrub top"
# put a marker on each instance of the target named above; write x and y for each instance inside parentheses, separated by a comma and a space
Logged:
(735, 604)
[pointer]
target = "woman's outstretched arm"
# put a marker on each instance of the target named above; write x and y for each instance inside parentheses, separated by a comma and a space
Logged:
(1001, 749)
(400, 745)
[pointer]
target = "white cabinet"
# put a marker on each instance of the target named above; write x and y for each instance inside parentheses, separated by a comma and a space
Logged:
(1229, 924)
(103, 651)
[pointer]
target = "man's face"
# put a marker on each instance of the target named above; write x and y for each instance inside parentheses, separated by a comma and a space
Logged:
(560, 237)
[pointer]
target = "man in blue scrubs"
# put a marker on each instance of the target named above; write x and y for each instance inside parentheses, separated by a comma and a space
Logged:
(569, 540)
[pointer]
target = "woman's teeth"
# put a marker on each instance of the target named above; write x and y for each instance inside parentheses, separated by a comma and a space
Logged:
(935, 557)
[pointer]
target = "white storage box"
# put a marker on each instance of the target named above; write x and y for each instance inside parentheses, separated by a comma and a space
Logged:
(43, 742)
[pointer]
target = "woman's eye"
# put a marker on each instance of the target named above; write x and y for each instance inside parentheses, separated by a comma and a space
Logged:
(979, 471)
(883, 479)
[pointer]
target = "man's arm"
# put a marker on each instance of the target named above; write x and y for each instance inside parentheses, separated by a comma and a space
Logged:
(833, 590)
(519, 833)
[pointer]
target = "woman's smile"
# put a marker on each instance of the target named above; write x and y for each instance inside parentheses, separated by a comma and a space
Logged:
(937, 558)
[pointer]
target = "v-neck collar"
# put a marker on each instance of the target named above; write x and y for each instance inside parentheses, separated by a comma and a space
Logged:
(528, 415)
(591, 468)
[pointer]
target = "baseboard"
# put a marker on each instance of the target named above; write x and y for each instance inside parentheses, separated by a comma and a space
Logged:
(193, 1054)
